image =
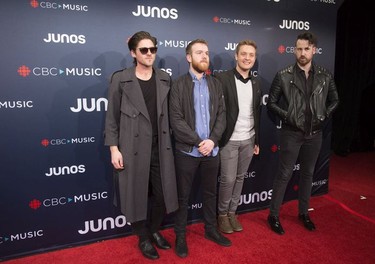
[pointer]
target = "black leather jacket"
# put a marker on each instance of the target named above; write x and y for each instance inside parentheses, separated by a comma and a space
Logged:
(287, 100)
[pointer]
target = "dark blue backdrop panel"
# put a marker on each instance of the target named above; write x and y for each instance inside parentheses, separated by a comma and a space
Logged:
(57, 58)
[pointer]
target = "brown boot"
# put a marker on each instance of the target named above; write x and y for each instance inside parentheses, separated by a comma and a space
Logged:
(224, 224)
(236, 225)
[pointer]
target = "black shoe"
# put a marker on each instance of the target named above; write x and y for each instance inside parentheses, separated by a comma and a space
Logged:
(217, 237)
(181, 246)
(305, 218)
(275, 224)
(160, 241)
(148, 249)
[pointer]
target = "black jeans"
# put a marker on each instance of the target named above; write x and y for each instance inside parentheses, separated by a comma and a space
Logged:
(293, 145)
(186, 169)
(156, 199)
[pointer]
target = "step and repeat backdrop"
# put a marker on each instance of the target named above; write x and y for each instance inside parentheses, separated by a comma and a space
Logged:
(56, 61)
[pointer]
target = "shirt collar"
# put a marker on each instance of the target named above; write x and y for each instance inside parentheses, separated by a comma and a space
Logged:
(310, 71)
(239, 76)
(194, 77)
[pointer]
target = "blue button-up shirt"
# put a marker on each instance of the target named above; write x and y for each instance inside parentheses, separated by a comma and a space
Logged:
(202, 113)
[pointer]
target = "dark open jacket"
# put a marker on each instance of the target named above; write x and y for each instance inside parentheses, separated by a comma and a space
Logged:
(231, 103)
(182, 114)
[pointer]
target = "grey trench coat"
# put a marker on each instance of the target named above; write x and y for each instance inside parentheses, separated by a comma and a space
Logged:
(128, 126)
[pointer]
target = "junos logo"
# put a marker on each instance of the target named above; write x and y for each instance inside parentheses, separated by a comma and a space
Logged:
(65, 38)
(293, 24)
(256, 197)
(103, 224)
(167, 70)
(95, 105)
(65, 170)
(148, 11)
(231, 46)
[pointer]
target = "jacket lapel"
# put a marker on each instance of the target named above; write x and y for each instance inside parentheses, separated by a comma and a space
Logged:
(133, 91)
(161, 91)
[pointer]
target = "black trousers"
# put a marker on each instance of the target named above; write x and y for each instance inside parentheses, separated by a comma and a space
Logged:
(156, 199)
(293, 145)
(186, 169)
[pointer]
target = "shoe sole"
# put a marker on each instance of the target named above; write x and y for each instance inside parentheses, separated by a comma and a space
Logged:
(226, 232)
(221, 244)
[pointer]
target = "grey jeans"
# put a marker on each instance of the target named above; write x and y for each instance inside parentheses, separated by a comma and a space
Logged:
(235, 158)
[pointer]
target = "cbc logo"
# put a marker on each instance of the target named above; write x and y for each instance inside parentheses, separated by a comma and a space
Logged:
(225, 20)
(290, 50)
(52, 5)
(25, 71)
(63, 141)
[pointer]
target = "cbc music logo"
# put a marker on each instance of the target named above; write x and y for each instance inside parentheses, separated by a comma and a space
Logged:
(275, 148)
(16, 104)
(52, 202)
(56, 6)
(174, 43)
(290, 50)
(64, 141)
(234, 21)
(65, 38)
(332, 2)
(155, 12)
(25, 71)
(21, 236)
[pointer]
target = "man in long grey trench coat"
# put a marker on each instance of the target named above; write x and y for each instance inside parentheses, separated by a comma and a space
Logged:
(137, 132)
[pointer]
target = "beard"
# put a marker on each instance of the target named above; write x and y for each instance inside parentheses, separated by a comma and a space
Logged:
(201, 66)
(303, 61)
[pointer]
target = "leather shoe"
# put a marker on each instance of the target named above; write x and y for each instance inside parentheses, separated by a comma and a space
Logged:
(181, 246)
(305, 218)
(275, 224)
(148, 249)
(217, 237)
(160, 241)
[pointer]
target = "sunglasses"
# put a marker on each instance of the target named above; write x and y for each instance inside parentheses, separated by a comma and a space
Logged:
(144, 51)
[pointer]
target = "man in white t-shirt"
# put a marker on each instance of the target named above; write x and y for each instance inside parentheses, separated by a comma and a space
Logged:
(240, 139)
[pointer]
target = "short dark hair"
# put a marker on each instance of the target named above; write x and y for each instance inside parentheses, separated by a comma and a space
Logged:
(247, 42)
(136, 38)
(188, 48)
(309, 36)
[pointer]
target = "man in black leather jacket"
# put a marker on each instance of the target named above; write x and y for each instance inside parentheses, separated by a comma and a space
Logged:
(304, 97)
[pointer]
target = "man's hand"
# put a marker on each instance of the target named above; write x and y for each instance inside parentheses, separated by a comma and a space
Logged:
(206, 146)
(116, 158)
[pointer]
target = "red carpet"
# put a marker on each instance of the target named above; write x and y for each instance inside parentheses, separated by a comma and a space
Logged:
(345, 220)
